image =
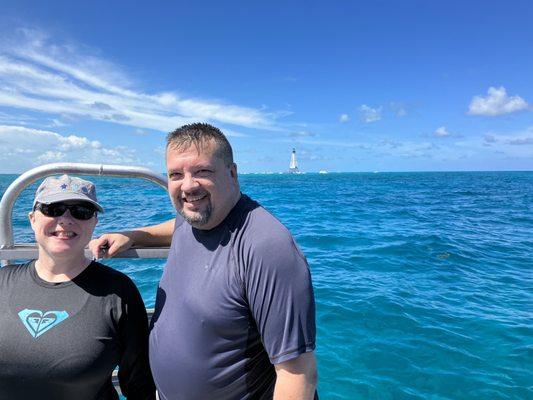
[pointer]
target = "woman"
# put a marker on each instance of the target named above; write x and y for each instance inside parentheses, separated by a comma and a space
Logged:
(65, 321)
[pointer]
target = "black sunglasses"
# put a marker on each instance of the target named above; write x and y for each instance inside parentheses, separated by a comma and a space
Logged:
(78, 211)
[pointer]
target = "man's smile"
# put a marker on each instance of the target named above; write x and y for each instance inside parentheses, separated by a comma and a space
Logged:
(193, 199)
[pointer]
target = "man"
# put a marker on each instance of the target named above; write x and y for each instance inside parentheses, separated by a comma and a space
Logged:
(234, 315)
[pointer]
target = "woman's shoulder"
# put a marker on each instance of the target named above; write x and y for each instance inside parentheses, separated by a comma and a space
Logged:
(14, 270)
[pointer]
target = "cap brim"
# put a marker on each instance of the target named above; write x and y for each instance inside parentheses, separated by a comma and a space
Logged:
(59, 197)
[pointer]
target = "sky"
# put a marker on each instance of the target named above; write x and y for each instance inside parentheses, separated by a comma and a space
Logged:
(350, 85)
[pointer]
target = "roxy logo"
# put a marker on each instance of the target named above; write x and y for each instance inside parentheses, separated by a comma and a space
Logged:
(38, 322)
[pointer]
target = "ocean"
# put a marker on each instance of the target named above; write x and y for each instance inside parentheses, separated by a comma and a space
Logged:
(423, 281)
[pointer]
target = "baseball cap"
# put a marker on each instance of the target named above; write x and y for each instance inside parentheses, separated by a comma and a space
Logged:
(65, 188)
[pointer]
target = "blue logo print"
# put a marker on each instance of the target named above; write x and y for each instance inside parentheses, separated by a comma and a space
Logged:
(38, 322)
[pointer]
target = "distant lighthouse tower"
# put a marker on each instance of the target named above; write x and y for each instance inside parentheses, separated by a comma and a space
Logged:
(293, 166)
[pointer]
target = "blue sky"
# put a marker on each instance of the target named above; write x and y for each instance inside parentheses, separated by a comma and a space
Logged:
(352, 86)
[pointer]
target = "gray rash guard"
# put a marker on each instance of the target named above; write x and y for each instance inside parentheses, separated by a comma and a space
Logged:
(232, 302)
(62, 340)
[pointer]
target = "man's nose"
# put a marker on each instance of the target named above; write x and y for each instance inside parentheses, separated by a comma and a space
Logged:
(189, 183)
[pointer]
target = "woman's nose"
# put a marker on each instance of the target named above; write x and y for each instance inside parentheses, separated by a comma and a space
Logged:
(66, 218)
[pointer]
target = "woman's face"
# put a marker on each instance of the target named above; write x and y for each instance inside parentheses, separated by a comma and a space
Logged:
(63, 235)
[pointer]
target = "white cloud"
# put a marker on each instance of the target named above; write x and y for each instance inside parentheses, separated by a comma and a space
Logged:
(160, 150)
(64, 79)
(497, 102)
(344, 118)
(369, 114)
(50, 157)
(24, 148)
(521, 141)
(515, 145)
(56, 123)
(140, 132)
(406, 149)
(389, 143)
(300, 134)
(12, 118)
(399, 109)
(401, 112)
(441, 132)
(490, 139)
(232, 133)
(329, 143)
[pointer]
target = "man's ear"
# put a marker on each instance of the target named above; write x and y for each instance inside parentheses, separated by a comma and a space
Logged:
(233, 170)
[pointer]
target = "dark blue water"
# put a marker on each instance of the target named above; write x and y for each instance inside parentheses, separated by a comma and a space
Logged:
(423, 281)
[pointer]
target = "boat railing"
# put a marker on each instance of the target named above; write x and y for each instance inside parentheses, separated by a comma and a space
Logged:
(12, 251)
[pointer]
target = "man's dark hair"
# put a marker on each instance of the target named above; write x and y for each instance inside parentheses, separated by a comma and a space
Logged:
(200, 135)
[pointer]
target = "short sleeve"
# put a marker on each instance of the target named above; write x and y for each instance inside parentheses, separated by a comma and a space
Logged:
(280, 295)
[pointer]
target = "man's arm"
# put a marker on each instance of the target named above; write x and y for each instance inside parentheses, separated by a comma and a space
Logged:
(296, 379)
(109, 244)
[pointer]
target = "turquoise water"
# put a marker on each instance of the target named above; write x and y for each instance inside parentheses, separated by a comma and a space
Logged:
(423, 281)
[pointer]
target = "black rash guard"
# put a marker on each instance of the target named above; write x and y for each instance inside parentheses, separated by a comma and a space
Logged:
(63, 340)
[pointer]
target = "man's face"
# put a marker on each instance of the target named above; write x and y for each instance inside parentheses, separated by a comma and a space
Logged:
(201, 186)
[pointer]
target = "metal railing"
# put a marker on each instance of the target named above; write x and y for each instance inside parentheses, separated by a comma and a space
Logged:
(11, 251)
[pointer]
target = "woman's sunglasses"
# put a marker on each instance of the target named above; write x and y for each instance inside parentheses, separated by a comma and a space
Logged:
(78, 211)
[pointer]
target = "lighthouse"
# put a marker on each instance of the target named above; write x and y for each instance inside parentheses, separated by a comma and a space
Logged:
(293, 166)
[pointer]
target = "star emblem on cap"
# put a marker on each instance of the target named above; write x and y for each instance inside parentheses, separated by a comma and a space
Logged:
(64, 186)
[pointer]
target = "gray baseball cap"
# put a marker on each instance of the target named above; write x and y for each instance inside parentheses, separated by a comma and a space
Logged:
(66, 188)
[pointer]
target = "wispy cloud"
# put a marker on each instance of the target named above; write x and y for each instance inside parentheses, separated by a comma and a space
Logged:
(389, 143)
(399, 109)
(441, 132)
(405, 149)
(20, 152)
(329, 143)
(521, 141)
(65, 79)
(515, 144)
(234, 133)
(369, 114)
(140, 132)
(18, 119)
(300, 134)
(497, 102)
(489, 139)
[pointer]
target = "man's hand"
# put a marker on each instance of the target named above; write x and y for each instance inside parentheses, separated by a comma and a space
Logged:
(109, 244)
(296, 379)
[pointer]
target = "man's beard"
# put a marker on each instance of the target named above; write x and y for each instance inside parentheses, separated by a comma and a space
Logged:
(199, 218)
